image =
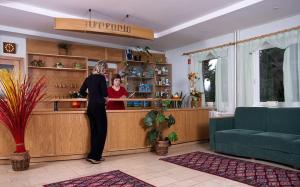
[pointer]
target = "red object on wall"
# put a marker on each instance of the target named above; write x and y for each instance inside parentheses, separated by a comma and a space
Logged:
(189, 61)
(75, 104)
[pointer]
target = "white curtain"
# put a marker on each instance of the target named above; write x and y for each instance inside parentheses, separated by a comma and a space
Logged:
(291, 74)
(197, 67)
(245, 79)
(224, 76)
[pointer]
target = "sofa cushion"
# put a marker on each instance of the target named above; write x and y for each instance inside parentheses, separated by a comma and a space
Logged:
(239, 136)
(274, 141)
(296, 147)
(251, 118)
(284, 120)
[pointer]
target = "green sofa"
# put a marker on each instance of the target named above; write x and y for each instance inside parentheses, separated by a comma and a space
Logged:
(258, 132)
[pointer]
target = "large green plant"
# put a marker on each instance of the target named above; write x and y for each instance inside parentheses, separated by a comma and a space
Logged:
(156, 121)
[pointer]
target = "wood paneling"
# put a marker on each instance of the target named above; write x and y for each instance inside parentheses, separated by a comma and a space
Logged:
(91, 52)
(7, 143)
(125, 131)
(112, 54)
(72, 134)
(40, 135)
(88, 51)
(197, 124)
(67, 133)
(179, 127)
(41, 46)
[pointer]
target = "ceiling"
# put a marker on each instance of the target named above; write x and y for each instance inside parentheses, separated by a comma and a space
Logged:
(175, 24)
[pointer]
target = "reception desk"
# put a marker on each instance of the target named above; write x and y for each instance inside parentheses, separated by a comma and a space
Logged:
(61, 135)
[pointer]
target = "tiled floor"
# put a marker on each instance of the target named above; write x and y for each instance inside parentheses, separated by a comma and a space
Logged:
(144, 166)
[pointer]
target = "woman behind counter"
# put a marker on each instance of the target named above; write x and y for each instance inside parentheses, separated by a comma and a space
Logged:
(116, 91)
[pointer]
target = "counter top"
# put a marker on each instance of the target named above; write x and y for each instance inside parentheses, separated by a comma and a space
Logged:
(110, 99)
(141, 99)
(81, 111)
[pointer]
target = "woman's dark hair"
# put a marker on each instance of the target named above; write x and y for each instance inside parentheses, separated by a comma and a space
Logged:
(115, 76)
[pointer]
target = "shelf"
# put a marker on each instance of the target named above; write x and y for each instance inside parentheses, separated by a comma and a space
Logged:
(58, 56)
(163, 64)
(162, 75)
(57, 69)
(137, 107)
(142, 99)
(132, 99)
(141, 62)
(133, 77)
(140, 92)
(162, 85)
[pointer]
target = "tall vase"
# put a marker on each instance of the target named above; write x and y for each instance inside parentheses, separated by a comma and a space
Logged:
(199, 102)
(196, 102)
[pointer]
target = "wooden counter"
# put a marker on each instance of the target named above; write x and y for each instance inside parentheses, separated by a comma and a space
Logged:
(65, 134)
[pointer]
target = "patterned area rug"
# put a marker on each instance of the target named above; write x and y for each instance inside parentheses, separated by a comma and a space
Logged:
(113, 178)
(250, 173)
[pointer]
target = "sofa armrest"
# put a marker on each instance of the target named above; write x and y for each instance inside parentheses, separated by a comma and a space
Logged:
(218, 124)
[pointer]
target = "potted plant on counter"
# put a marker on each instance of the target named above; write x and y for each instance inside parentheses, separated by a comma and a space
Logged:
(16, 104)
(140, 51)
(155, 122)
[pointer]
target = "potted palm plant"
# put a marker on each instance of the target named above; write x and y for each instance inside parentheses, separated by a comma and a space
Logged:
(16, 104)
(155, 122)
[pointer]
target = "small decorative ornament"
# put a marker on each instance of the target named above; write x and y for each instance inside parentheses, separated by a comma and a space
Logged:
(9, 47)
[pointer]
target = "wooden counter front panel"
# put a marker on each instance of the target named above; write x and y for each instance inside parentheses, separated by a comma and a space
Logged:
(125, 131)
(197, 125)
(40, 135)
(7, 144)
(179, 127)
(58, 134)
(72, 134)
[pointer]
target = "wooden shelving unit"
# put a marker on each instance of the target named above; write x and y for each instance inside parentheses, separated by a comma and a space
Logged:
(137, 73)
(60, 81)
(163, 80)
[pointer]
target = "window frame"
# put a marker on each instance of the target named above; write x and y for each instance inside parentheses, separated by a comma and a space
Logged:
(256, 80)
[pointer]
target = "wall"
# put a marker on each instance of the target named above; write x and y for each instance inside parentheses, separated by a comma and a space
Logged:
(20, 44)
(180, 66)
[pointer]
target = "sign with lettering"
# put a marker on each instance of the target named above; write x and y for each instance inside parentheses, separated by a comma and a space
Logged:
(103, 27)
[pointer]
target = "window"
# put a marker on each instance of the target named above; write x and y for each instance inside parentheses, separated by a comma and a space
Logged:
(271, 75)
(209, 74)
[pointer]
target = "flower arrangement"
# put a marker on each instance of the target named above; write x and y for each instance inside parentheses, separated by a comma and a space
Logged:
(195, 93)
(16, 104)
(193, 77)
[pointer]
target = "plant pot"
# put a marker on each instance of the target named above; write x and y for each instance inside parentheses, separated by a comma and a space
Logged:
(161, 147)
(20, 161)
(196, 102)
